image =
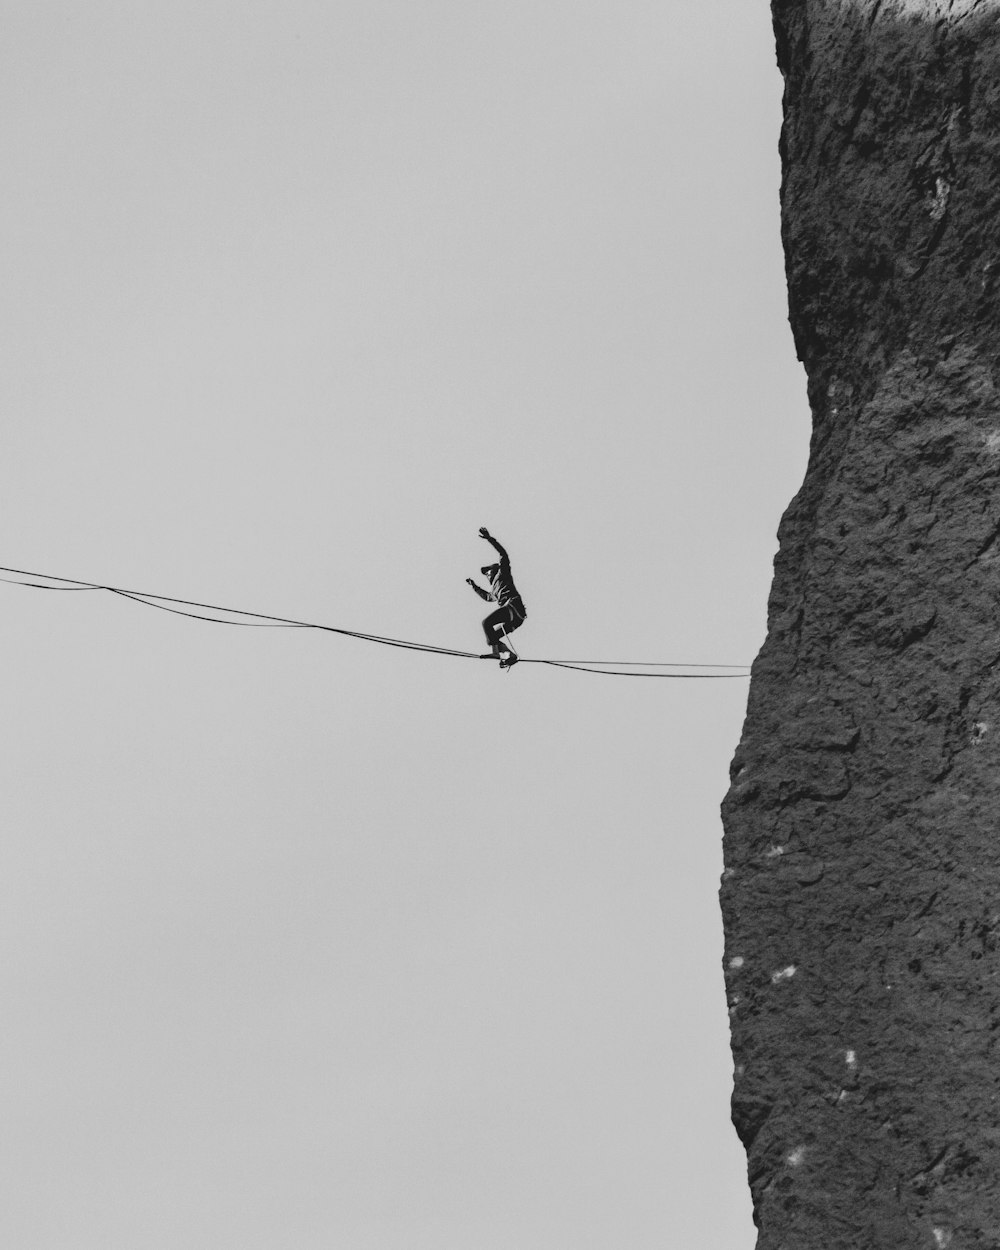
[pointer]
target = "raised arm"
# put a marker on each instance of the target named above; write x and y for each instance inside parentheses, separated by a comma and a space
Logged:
(485, 533)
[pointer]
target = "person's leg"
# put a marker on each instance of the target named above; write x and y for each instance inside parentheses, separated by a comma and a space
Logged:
(498, 626)
(513, 620)
(508, 654)
(494, 627)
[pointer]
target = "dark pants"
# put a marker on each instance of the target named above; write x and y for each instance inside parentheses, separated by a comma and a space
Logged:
(502, 622)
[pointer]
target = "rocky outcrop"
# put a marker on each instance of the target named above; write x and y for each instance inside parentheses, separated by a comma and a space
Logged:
(861, 892)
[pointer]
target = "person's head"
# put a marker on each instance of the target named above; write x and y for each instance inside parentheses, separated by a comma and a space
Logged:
(488, 570)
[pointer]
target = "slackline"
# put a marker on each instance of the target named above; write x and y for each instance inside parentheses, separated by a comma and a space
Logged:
(262, 620)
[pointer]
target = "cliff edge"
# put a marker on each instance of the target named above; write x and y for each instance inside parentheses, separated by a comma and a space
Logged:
(861, 892)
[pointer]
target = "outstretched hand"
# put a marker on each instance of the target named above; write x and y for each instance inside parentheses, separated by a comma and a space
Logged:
(483, 532)
(470, 581)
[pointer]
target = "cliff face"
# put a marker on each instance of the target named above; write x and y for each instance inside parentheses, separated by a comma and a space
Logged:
(861, 894)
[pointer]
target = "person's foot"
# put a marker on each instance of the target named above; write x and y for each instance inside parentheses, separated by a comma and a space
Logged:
(508, 659)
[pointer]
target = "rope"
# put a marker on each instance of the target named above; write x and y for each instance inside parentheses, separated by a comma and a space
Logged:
(195, 616)
(611, 672)
(263, 620)
(637, 663)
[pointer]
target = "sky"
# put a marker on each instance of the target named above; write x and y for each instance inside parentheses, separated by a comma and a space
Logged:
(311, 942)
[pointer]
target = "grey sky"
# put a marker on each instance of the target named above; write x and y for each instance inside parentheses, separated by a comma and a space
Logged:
(312, 943)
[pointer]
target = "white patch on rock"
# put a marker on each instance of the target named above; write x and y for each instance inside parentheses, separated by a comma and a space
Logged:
(979, 729)
(941, 1236)
(737, 961)
(937, 204)
(784, 974)
(774, 852)
(851, 1059)
(795, 1157)
(992, 443)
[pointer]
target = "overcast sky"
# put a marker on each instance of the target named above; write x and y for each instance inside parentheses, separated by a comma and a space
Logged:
(308, 942)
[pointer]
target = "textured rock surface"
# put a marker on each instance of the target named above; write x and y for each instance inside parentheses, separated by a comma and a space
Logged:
(861, 894)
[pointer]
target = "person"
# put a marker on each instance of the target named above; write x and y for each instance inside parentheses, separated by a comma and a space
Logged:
(509, 612)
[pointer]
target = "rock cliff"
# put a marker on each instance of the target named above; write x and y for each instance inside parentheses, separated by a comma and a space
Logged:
(861, 892)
